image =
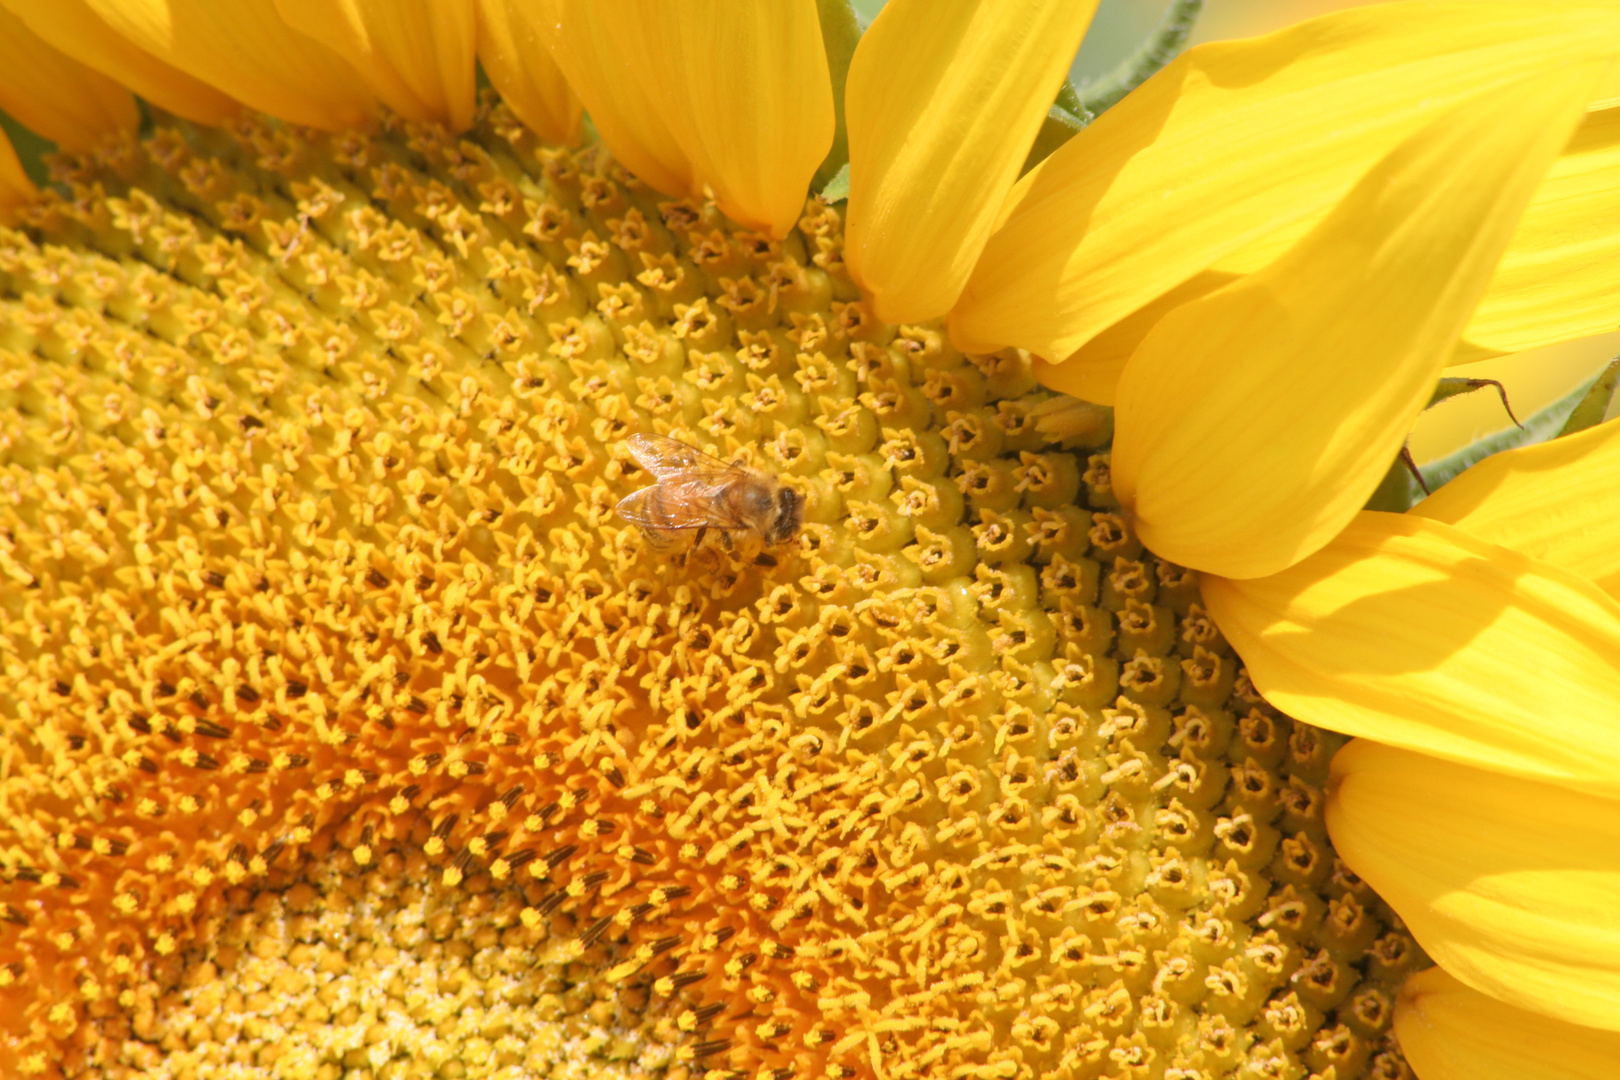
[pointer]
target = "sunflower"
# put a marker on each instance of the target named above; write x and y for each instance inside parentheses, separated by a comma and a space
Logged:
(349, 733)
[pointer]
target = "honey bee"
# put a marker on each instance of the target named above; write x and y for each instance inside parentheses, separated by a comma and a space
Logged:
(697, 495)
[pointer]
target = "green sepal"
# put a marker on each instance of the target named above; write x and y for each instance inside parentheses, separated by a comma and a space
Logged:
(836, 190)
(1068, 99)
(1059, 127)
(1595, 405)
(1449, 387)
(840, 33)
(1540, 427)
(1397, 492)
(31, 149)
(1400, 490)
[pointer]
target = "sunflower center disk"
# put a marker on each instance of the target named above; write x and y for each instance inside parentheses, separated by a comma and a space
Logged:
(358, 733)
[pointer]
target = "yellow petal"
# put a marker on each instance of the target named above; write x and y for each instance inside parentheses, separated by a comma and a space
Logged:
(1254, 422)
(579, 34)
(72, 28)
(513, 52)
(417, 56)
(1558, 501)
(246, 50)
(15, 187)
(1509, 884)
(942, 104)
(1419, 635)
(744, 90)
(1560, 276)
(56, 96)
(1234, 140)
(1093, 371)
(1449, 1032)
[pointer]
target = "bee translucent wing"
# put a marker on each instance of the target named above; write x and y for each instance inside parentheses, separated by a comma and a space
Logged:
(666, 458)
(686, 502)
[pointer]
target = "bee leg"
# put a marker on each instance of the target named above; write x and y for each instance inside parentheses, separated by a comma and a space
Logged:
(726, 542)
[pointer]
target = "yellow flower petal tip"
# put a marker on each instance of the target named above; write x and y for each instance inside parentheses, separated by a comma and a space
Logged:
(72, 27)
(55, 96)
(1340, 340)
(1508, 883)
(1419, 635)
(417, 56)
(512, 48)
(1450, 1032)
(943, 101)
(744, 91)
(580, 37)
(1144, 199)
(245, 49)
(15, 187)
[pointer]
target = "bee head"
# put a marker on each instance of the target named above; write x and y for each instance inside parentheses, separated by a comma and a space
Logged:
(789, 516)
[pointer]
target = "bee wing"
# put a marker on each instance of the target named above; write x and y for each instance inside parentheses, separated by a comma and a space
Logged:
(667, 458)
(682, 502)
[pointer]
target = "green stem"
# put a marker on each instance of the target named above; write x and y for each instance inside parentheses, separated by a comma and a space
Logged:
(1161, 47)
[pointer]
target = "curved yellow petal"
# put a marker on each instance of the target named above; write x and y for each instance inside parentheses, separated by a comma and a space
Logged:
(579, 34)
(743, 88)
(1560, 276)
(1419, 635)
(942, 104)
(1557, 501)
(246, 50)
(55, 96)
(418, 56)
(1232, 141)
(513, 52)
(72, 28)
(1254, 422)
(15, 187)
(1094, 370)
(1450, 1032)
(1509, 884)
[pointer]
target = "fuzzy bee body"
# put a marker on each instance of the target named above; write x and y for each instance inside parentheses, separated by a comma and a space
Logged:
(697, 495)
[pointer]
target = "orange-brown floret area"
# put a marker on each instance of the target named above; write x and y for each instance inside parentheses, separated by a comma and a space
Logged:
(347, 732)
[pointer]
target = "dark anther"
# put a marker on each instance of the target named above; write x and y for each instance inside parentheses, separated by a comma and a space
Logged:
(556, 858)
(595, 931)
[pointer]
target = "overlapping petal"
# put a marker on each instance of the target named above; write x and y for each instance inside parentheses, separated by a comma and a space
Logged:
(512, 49)
(72, 28)
(1421, 636)
(579, 34)
(1450, 1032)
(417, 56)
(1232, 141)
(1558, 501)
(745, 92)
(1329, 353)
(942, 104)
(246, 50)
(15, 187)
(1509, 884)
(56, 96)
(1094, 370)
(1560, 276)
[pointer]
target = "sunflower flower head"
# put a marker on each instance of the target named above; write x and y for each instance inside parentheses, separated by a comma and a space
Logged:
(349, 732)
